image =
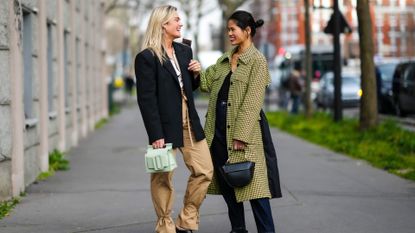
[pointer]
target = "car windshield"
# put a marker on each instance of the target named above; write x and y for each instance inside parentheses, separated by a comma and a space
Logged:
(350, 81)
(386, 71)
(346, 81)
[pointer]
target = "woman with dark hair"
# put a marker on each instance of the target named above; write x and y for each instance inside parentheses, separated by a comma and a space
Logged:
(237, 84)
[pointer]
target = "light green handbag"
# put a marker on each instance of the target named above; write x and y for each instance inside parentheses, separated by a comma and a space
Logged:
(160, 160)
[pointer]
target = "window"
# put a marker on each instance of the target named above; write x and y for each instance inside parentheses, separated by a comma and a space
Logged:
(87, 72)
(78, 71)
(27, 65)
(50, 66)
(326, 3)
(66, 66)
(409, 76)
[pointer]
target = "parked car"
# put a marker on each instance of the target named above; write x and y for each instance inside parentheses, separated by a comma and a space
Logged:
(293, 57)
(403, 88)
(351, 91)
(384, 76)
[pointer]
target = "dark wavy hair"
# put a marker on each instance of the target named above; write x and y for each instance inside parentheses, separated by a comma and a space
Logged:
(244, 19)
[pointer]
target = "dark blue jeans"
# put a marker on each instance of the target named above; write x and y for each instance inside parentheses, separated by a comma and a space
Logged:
(296, 103)
(260, 207)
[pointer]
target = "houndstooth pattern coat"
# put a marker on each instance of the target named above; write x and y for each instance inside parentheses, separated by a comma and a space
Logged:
(245, 100)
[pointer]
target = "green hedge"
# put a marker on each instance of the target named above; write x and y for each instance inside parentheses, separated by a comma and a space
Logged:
(387, 146)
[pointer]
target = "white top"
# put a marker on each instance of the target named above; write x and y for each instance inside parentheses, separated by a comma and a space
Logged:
(176, 67)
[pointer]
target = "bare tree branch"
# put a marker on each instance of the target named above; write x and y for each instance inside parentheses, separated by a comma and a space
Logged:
(126, 4)
(228, 7)
(111, 6)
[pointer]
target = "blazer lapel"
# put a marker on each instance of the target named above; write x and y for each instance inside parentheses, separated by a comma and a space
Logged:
(169, 67)
(181, 58)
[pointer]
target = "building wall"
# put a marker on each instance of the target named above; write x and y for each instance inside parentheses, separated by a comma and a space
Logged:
(5, 108)
(66, 83)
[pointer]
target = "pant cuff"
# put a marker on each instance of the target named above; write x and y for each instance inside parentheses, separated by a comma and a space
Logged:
(165, 225)
(191, 223)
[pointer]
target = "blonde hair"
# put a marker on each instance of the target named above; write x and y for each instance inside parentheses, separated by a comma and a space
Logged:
(153, 39)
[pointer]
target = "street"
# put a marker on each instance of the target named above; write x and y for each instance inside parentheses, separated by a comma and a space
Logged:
(107, 190)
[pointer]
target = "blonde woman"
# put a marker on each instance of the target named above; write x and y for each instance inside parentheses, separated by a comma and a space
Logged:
(165, 75)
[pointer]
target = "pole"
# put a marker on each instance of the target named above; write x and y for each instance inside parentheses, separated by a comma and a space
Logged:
(308, 61)
(337, 64)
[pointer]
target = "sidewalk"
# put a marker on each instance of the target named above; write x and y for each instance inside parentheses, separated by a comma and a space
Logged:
(106, 190)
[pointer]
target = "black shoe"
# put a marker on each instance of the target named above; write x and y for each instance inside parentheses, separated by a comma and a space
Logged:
(183, 231)
(239, 230)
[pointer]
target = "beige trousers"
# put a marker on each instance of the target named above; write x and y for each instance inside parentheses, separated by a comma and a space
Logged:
(197, 158)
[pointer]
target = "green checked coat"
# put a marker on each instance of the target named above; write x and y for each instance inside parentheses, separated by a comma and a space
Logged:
(245, 99)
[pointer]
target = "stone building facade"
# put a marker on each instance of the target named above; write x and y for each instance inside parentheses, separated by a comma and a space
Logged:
(52, 83)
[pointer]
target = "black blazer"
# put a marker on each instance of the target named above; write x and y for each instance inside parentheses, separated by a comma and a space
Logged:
(159, 96)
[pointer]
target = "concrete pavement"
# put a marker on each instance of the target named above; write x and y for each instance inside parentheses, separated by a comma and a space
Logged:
(106, 190)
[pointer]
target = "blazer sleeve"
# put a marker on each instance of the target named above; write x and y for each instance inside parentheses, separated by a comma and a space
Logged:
(248, 114)
(195, 80)
(146, 75)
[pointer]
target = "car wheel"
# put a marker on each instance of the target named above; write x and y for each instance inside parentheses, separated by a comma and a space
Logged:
(382, 110)
(317, 103)
(381, 107)
(398, 109)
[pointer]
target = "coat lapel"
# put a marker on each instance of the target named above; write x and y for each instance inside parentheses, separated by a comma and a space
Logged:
(169, 67)
(181, 58)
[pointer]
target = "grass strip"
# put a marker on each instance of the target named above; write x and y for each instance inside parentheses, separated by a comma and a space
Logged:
(387, 146)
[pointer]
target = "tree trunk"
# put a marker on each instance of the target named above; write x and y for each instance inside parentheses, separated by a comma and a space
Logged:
(224, 37)
(368, 104)
(308, 62)
(199, 15)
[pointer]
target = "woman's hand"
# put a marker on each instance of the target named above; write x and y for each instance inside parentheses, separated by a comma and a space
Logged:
(195, 67)
(238, 145)
(158, 144)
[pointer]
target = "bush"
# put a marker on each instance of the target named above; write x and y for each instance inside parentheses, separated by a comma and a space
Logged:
(101, 123)
(115, 109)
(7, 206)
(57, 162)
(387, 146)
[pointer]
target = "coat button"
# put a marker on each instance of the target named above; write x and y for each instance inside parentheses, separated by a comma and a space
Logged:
(231, 83)
(229, 126)
(229, 104)
(229, 148)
